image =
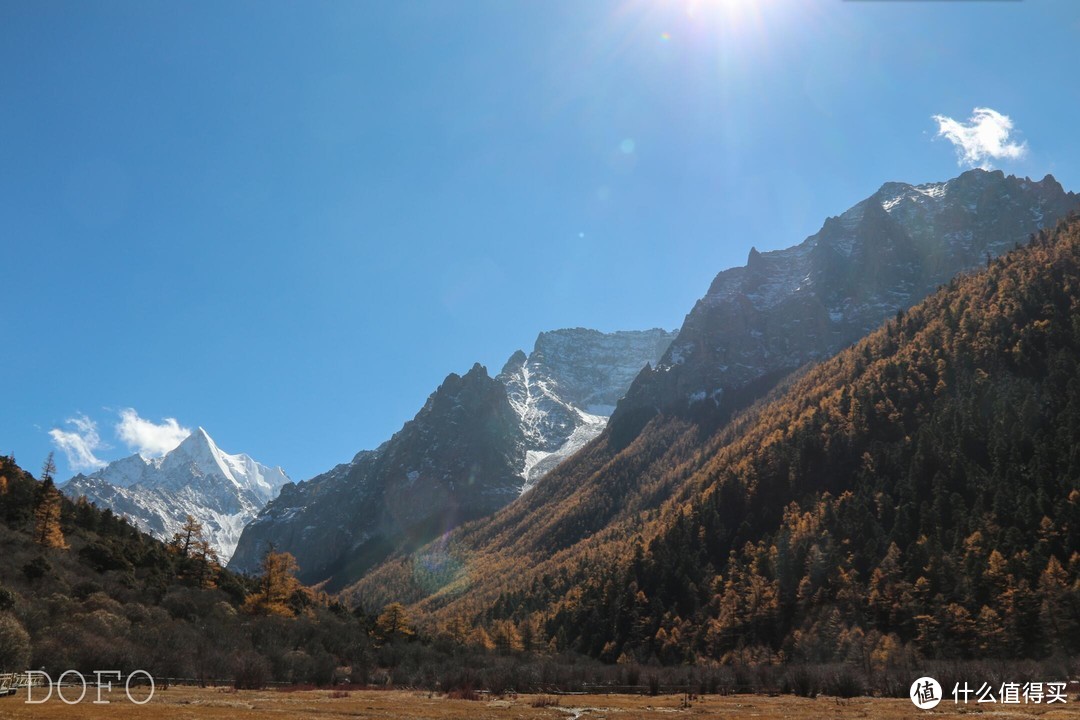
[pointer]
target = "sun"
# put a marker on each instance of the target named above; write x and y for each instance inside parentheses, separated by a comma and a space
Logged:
(739, 16)
(737, 22)
(732, 10)
(734, 36)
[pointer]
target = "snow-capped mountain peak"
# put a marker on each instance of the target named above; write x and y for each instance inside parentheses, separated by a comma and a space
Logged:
(198, 455)
(199, 450)
(196, 478)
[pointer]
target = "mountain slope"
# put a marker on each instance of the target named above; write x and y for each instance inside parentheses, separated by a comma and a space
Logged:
(760, 322)
(475, 446)
(924, 484)
(756, 325)
(222, 491)
(922, 488)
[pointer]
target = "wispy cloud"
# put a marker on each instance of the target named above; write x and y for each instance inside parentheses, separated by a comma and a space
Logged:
(986, 136)
(79, 444)
(148, 438)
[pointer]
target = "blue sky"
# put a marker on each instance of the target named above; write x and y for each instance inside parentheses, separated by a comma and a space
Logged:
(287, 222)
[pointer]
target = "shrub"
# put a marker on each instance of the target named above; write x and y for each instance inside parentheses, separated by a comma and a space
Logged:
(250, 671)
(800, 681)
(104, 557)
(36, 568)
(464, 693)
(14, 644)
(542, 701)
(844, 683)
(85, 589)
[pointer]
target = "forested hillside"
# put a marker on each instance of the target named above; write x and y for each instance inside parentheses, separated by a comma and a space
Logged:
(918, 492)
(81, 588)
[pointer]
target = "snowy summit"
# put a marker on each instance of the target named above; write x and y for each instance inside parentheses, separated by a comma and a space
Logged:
(224, 492)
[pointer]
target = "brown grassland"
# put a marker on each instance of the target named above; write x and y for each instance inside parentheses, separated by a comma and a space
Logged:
(183, 703)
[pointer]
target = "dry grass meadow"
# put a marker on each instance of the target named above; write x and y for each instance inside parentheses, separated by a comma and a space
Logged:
(185, 703)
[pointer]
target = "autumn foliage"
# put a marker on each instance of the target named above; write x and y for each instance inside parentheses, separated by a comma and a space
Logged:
(915, 495)
(277, 586)
(47, 507)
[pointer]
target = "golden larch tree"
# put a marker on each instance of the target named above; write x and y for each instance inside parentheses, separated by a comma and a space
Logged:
(47, 507)
(506, 637)
(276, 586)
(189, 536)
(393, 623)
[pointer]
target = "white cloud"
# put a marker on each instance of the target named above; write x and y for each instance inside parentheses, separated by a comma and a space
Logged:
(985, 137)
(78, 445)
(147, 438)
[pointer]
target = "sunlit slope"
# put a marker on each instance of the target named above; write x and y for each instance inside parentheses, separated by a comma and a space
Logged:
(754, 326)
(920, 486)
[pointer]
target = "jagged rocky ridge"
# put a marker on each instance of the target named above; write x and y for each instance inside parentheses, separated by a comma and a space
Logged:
(788, 307)
(476, 445)
(457, 460)
(224, 492)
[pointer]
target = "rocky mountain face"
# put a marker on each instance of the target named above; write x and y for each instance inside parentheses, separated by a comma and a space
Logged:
(804, 303)
(222, 491)
(477, 444)
(457, 460)
(565, 390)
